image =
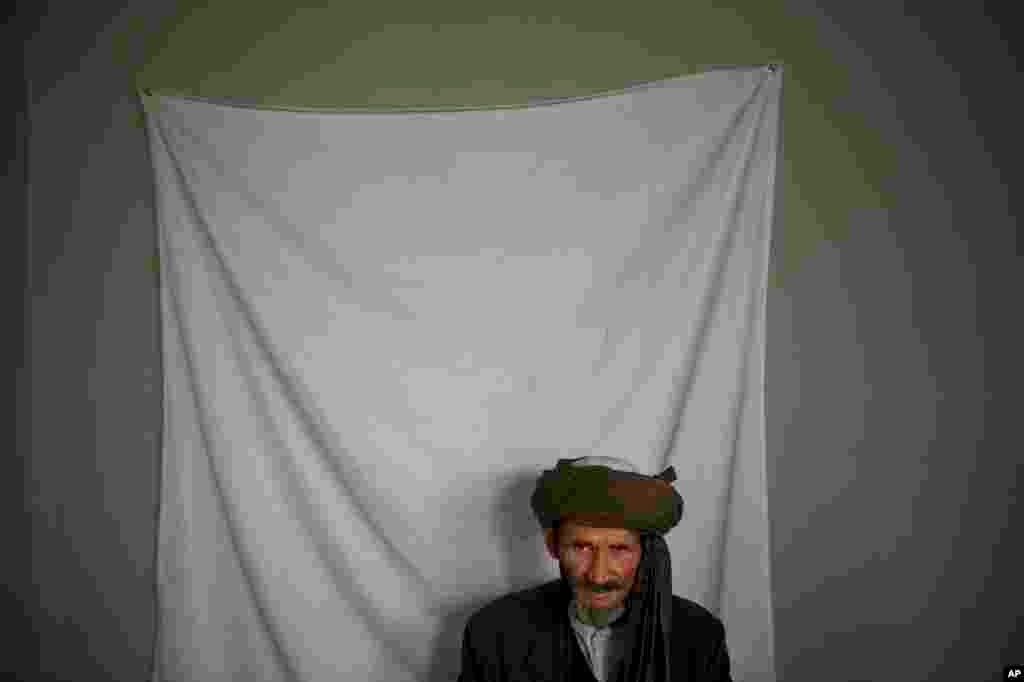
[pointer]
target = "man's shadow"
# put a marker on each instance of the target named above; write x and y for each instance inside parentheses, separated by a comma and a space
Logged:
(517, 533)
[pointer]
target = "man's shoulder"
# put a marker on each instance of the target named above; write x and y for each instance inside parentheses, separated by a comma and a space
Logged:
(536, 606)
(539, 605)
(691, 609)
(689, 616)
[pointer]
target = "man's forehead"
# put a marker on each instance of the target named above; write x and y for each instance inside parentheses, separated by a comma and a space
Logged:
(579, 532)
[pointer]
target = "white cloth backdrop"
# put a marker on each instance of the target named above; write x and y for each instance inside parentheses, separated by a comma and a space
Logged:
(379, 327)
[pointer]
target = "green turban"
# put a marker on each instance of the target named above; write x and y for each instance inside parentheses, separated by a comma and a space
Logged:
(603, 497)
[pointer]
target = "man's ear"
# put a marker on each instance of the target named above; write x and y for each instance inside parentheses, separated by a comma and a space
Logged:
(549, 542)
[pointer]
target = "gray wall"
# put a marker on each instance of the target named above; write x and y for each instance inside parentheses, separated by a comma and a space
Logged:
(891, 335)
(13, 517)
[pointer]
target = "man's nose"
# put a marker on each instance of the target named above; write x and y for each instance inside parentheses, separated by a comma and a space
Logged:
(598, 573)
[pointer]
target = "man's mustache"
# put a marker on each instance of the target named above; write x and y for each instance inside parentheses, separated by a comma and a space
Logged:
(612, 586)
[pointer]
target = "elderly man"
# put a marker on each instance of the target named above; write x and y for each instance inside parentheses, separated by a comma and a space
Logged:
(612, 616)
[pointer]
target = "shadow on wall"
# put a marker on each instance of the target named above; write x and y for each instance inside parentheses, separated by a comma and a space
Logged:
(519, 534)
(526, 564)
(446, 662)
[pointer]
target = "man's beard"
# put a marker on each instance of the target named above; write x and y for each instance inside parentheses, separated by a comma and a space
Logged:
(598, 616)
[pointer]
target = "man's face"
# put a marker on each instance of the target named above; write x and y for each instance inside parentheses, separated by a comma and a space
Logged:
(600, 563)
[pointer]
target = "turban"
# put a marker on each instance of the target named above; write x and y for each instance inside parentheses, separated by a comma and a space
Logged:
(604, 497)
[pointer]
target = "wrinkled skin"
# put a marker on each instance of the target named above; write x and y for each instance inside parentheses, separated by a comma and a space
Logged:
(600, 564)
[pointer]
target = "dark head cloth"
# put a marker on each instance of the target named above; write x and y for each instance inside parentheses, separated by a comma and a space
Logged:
(607, 498)
(602, 497)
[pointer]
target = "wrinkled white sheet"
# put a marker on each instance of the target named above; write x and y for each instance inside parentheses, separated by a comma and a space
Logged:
(379, 327)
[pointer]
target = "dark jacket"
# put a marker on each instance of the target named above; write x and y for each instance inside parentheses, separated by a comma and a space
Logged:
(526, 637)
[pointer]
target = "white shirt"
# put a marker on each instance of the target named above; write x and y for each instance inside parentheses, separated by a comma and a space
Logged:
(603, 646)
